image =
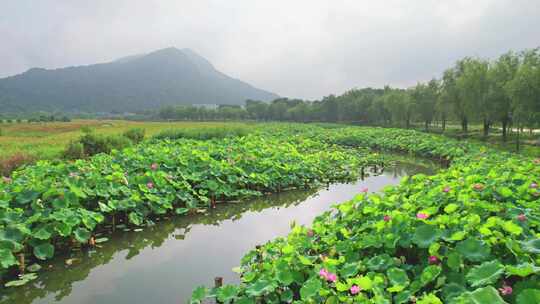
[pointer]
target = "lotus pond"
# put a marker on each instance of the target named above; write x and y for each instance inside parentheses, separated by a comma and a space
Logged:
(164, 262)
(468, 234)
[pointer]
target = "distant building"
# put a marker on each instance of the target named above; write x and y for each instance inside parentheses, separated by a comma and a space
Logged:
(206, 106)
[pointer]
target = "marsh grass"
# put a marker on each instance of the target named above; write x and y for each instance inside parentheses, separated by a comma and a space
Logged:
(48, 140)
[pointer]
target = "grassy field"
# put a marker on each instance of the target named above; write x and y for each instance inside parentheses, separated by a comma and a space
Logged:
(48, 140)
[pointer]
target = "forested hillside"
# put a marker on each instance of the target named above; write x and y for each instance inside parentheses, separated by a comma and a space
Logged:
(135, 83)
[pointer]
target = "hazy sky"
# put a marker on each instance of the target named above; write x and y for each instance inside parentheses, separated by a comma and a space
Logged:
(294, 48)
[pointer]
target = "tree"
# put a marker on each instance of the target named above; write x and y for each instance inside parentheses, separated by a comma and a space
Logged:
(500, 75)
(452, 94)
(524, 90)
(473, 86)
(257, 109)
(424, 97)
(398, 104)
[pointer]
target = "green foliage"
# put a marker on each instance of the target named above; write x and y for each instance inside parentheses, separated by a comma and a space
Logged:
(53, 205)
(91, 143)
(74, 150)
(480, 234)
(136, 135)
(202, 133)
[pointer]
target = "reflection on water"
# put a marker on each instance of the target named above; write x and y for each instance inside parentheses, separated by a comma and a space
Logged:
(165, 262)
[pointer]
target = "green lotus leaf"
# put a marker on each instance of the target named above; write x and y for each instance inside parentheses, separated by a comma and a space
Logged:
(63, 229)
(260, 287)
(349, 270)
(531, 246)
(244, 300)
(429, 274)
(452, 290)
(528, 296)
(473, 250)
(486, 295)
(7, 258)
(34, 268)
(82, 235)
(454, 260)
(181, 211)
(380, 262)
(425, 235)
(310, 289)
(227, 293)
(287, 296)
(42, 234)
(485, 273)
(522, 270)
(44, 251)
(397, 276)
(135, 219)
(198, 294)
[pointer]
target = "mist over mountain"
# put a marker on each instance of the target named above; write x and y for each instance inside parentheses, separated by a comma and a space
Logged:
(165, 77)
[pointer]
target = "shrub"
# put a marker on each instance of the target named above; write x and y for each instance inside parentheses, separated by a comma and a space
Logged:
(91, 144)
(136, 135)
(117, 142)
(74, 150)
(94, 143)
(11, 163)
(202, 133)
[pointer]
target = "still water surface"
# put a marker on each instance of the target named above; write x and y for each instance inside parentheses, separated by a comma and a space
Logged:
(165, 262)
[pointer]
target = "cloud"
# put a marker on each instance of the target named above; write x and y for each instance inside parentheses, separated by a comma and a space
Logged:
(295, 48)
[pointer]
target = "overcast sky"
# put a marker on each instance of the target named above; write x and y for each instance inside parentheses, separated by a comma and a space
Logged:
(295, 48)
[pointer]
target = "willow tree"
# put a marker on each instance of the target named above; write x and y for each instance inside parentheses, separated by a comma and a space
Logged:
(524, 90)
(473, 85)
(500, 74)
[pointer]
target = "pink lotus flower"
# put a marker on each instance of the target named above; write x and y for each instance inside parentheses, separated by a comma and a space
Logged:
(533, 186)
(355, 289)
(446, 189)
(154, 166)
(433, 259)
(150, 185)
(506, 290)
(332, 277)
(522, 217)
(323, 273)
(364, 190)
(422, 216)
(387, 218)
(478, 187)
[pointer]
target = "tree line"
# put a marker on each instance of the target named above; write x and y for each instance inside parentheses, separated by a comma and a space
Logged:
(504, 92)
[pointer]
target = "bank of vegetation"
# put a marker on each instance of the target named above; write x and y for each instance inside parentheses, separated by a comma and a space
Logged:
(469, 234)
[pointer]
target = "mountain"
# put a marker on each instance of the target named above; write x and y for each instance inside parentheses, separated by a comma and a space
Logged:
(140, 82)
